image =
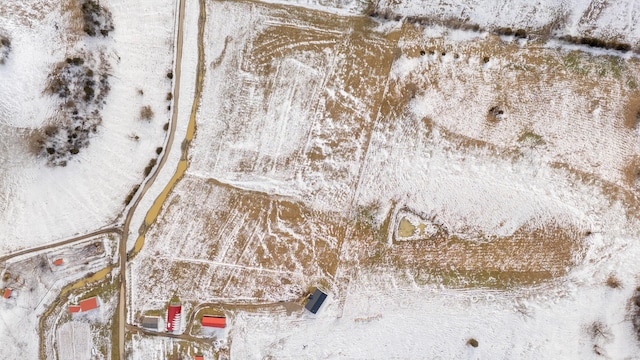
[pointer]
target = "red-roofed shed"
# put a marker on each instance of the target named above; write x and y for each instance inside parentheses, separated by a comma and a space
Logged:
(74, 308)
(198, 357)
(89, 304)
(7, 293)
(214, 321)
(58, 262)
(173, 317)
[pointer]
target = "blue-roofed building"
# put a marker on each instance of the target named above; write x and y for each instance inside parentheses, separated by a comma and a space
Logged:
(315, 301)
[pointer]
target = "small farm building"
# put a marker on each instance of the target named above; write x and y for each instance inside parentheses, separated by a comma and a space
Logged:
(89, 304)
(214, 321)
(315, 301)
(7, 293)
(151, 322)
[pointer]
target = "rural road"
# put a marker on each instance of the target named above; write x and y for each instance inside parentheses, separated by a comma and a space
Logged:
(122, 303)
(61, 243)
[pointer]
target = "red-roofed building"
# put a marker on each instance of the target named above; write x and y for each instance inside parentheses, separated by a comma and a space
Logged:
(198, 357)
(7, 293)
(74, 308)
(214, 321)
(173, 317)
(89, 304)
(58, 262)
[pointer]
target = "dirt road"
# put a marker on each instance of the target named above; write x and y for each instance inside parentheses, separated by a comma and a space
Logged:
(61, 243)
(122, 303)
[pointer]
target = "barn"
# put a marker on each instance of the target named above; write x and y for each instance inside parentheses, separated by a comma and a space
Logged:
(214, 321)
(315, 301)
(151, 322)
(173, 316)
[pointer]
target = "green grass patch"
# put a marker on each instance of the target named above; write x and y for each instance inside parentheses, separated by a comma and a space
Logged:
(531, 138)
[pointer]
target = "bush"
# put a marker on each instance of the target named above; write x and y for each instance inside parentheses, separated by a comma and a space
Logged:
(613, 282)
(505, 31)
(158, 150)
(131, 194)
(5, 48)
(97, 19)
(147, 170)
(472, 342)
(169, 96)
(170, 75)
(521, 34)
(146, 113)
(82, 84)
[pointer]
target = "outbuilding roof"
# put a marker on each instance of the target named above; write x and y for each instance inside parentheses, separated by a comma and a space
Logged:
(89, 304)
(315, 301)
(74, 308)
(150, 322)
(7, 293)
(58, 262)
(214, 321)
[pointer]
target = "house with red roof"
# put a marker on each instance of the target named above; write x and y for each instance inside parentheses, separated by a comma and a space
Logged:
(58, 262)
(85, 305)
(7, 293)
(89, 304)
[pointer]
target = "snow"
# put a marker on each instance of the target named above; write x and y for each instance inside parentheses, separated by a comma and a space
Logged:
(56, 203)
(341, 7)
(382, 319)
(73, 341)
(293, 139)
(617, 20)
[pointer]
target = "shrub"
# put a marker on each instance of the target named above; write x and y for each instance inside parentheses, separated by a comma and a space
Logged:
(169, 96)
(5, 48)
(521, 34)
(97, 19)
(147, 170)
(146, 113)
(170, 75)
(613, 282)
(77, 61)
(165, 127)
(472, 342)
(131, 194)
(598, 330)
(158, 150)
(505, 31)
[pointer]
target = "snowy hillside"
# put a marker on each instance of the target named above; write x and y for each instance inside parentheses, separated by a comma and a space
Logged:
(40, 203)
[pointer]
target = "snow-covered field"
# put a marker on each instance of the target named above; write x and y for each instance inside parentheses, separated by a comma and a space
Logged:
(612, 20)
(318, 133)
(324, 141)
(40, 204)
